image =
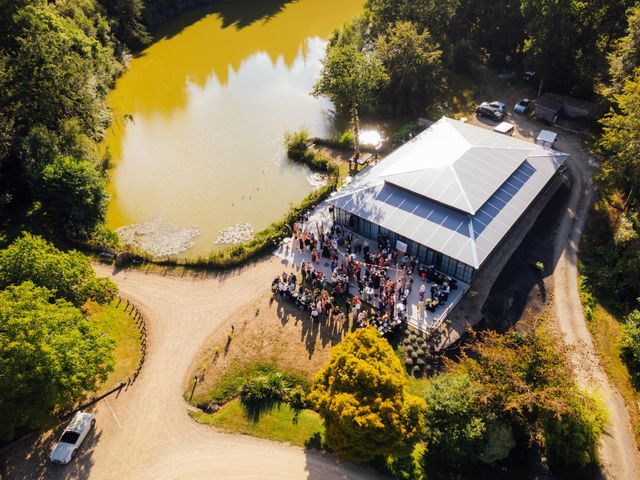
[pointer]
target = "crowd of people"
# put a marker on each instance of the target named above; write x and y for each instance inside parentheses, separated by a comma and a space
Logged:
(384, 281)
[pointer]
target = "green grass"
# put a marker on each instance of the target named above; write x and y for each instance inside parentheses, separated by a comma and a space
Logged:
(605, 330)
(229, 384)
(278, 424)
(120, 326)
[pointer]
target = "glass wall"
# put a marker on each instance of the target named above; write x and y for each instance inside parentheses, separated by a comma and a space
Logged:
(442, 263)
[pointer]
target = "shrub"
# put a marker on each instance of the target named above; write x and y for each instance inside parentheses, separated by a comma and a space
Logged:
(296, 142)
(404, 133)
(630, 342)
(587, 298)
(347, 139)
(571, 438)
(361, 396)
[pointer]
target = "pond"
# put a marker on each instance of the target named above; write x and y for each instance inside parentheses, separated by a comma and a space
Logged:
(199, 119)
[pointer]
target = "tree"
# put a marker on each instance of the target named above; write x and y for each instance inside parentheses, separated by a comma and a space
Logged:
(460, 429)
(630, 342)
(67, 274)
(350, 76)
(567, 40)
(360, 394)
(625, 58)
(126, 16)
(571, 437)
(433, 15)
(50, 356)
(412, 61)
(55, 71)
(523, 383)
(74, 193)
(620, 142)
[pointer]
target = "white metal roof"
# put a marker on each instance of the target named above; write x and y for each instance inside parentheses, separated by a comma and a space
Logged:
(460, 201)
(547, 136)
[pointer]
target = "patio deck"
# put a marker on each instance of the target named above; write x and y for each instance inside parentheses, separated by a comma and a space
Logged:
(424, 321)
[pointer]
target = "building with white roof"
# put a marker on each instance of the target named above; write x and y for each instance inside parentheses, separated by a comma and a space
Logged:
(451, 194)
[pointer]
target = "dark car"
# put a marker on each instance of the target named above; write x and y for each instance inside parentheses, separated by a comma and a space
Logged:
(486, 110)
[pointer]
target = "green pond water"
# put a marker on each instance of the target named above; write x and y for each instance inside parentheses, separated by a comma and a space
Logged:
(199, 117)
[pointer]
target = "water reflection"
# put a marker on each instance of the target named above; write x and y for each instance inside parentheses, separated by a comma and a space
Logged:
(210, 105)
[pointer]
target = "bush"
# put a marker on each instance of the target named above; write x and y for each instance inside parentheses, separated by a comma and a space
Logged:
(587, 298)
(404, 133)
(630, 342)
(296, 142)
(347, 140)
(571, 438)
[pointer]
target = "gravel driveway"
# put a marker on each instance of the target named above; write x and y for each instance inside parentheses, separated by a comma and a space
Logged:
(146, 432)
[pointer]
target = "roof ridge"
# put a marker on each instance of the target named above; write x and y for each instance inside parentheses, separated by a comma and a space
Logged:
(464, 193)
(474, 247)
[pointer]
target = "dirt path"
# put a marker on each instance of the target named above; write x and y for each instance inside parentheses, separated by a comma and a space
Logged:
(146, 432)
(618, 449)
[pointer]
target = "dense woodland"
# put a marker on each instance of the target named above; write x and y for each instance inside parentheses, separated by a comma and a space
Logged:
(58, 61)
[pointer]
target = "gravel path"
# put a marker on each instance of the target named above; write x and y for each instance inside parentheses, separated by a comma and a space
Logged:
(146, 432)
(618, 448)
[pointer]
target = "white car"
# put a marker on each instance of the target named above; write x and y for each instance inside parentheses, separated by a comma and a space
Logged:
(522, 106)
(499, 105)
(65, 449)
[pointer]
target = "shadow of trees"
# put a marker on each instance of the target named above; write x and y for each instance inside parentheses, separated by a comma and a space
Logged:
(29, 460)
(233, 13)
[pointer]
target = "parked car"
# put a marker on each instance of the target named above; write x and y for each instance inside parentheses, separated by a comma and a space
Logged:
(499, 105)
(522, 106)
(65, 448)
(529, 76)
(486, 110)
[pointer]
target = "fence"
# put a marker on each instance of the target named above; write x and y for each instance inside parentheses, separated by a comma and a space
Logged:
(142, 327)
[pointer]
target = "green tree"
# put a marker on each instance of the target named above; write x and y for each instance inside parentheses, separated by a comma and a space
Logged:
(350, 76)
(525, 384)
(361, 397)
(74, 193)
(620, 142)
(126, 16)
(68, 274)
(412, 61)
(459, 424)
(55, 71)
(434, 15)
(50, 357)
(626, 56)
(630, 342)
(571, 437)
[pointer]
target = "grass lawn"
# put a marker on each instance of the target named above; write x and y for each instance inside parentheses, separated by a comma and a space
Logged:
(277, 424)
(605, 329)
(120, 326)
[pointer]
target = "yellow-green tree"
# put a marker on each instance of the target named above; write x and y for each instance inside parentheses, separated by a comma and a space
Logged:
(361, 397)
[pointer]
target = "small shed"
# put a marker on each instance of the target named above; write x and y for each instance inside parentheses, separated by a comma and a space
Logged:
(546, 138)
(548, 108)
(505, 128)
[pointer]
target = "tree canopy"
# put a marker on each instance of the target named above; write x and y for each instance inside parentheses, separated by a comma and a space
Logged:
(360, 395)
(512, 382)
(68, 275)
(50, 356)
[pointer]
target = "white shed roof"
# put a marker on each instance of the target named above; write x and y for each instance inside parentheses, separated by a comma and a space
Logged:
(455, 188)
